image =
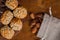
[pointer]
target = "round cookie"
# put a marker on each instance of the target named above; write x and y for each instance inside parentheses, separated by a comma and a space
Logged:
(6, 17)
(20, 12)
(12, 4)
(16, 24)
(34, 30)
(7, 32)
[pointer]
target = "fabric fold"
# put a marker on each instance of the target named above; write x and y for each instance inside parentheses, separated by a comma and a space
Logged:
(50, 29)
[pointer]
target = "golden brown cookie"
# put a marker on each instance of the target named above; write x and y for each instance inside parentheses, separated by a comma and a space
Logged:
(20, 12)
(12, 4)
(7, 32)
(6, 17)
(16, 24)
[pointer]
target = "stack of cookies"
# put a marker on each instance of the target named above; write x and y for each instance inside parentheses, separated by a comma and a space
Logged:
(11, 18)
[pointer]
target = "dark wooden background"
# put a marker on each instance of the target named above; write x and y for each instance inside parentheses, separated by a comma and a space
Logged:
(42, 5)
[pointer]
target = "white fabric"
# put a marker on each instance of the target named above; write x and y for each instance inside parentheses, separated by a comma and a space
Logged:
(43, 28)
(50, 28)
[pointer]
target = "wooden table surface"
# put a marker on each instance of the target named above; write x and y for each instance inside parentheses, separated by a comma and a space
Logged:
(42, 5)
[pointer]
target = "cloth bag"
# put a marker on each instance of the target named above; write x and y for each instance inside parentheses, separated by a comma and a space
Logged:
(50, 28)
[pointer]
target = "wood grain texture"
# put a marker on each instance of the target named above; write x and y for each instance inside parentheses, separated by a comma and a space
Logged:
(55, 8)
(35, 5)
(42, 5)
